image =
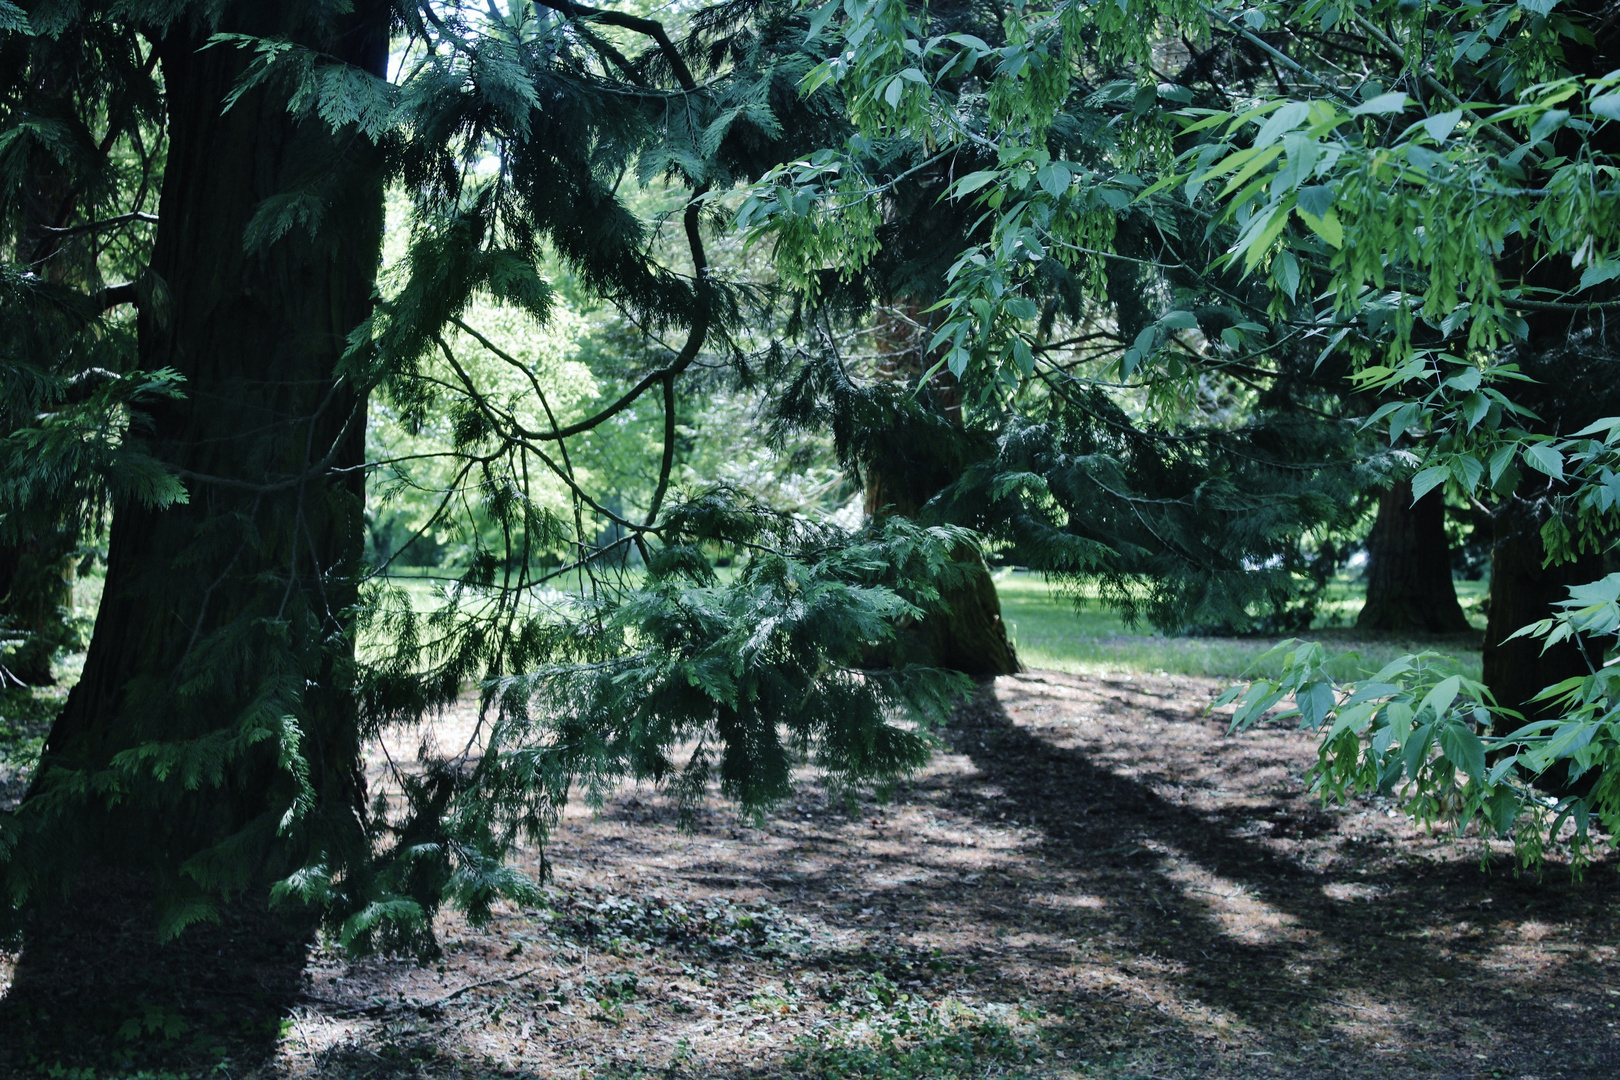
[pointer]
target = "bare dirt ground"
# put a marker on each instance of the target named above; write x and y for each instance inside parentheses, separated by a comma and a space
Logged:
(1092, 879)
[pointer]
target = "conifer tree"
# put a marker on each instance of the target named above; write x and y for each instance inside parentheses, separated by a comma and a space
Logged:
(212, 746)
(1409, 584)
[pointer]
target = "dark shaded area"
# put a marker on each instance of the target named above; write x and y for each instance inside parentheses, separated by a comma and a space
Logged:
(1524, 588)
(94, 989)
(1406, 979)
(1111, 788)
(1112, 830)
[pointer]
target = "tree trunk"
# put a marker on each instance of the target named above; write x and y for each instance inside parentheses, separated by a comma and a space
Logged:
(1409, 588)
(225, 617)
(1522, 592)
(968, 635)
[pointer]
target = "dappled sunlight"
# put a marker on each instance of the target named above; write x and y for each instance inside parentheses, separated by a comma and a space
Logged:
(1349, 891)
(1233, 906)
(1092, 880)
(1076, 901)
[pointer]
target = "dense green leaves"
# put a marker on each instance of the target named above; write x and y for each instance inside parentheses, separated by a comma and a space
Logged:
(1423, 199)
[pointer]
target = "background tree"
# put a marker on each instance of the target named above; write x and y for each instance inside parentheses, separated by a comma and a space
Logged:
(1366, 182)
(1183, 491)
(1409, 567)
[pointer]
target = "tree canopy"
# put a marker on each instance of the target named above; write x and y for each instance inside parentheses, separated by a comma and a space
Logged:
(1148, 296)
(1421, 196)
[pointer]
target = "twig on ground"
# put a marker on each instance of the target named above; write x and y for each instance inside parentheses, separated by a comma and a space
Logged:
(436, 1002)
(417, 1006)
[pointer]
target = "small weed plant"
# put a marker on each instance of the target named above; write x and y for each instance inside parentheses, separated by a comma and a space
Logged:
(628, 925)
(891, 1035)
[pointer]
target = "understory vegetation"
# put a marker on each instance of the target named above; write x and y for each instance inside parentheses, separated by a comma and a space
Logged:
(425, 422)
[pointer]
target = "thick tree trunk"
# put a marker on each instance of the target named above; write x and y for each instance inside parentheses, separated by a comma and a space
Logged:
(1522, 592)
(968, 635)
(1409, 587)
(224, 615)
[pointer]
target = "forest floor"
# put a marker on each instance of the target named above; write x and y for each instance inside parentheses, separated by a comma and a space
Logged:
(1090, 880)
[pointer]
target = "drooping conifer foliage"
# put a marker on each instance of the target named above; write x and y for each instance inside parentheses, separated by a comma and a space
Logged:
(243, 652)
(76, 209)
(1183, 489)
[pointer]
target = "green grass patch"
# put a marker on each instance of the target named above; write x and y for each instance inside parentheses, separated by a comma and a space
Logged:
(1054, 633)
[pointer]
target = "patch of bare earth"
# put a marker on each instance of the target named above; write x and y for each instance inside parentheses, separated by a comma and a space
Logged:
(1092, 866)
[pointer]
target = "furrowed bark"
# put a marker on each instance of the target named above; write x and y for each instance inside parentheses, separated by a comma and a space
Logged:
(223, 615)
(968, 634)
(1409, 587)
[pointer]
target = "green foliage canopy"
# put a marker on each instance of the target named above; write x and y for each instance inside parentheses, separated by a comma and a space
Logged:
(1418, 193)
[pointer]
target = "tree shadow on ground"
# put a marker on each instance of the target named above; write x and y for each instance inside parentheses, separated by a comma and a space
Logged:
(1149, 861)
(1157, 899)
(95, 990)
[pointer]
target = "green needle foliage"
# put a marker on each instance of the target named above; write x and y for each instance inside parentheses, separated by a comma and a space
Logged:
(214, 743)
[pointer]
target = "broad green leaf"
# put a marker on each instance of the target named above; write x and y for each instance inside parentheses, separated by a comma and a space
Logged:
(1257, 160)
(1415, 748)
(1468, 470)
(1371, 691)
(1501, 458)
(1264, 229)
(1598, 273)
(1353, 718)
(1441, 125)
(1054, 179)
(1429, 479)
(1465, 380)
(1285, 119)
(1463, 749)
(1382, 105)
(1543, 458)
(1179, 320)
(973, 181)
(1316, 200)
(821, 16)
(1547, 123)
(1442, 695)
(1606, 426)
(1327, 226)
(1285, 271)
(1315, 702)
(1501, 809)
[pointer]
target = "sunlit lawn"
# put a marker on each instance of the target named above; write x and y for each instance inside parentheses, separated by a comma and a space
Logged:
(1052, 632)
